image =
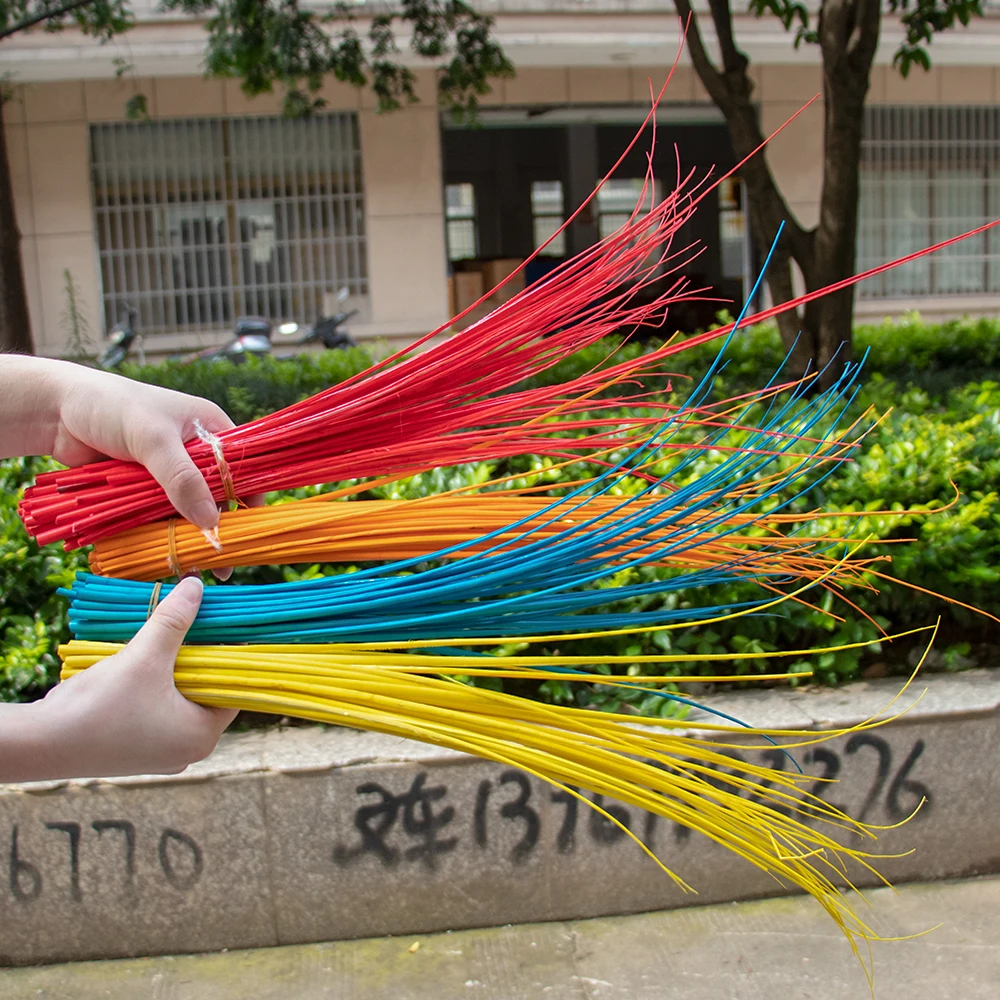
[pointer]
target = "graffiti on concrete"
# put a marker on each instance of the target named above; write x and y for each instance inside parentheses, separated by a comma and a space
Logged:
(179, 857)
(418, 821)
(409, 825)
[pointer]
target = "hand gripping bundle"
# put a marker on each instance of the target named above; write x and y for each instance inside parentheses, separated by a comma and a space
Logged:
(451, 583)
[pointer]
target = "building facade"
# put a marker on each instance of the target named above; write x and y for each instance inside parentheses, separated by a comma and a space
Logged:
(216, 206)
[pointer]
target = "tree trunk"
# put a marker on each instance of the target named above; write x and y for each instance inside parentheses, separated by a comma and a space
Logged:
(849, 35)
(15, 324)
(848, 38)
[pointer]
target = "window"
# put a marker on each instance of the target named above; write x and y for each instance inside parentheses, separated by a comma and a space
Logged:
(201, 221)
(460, 221)
(547, 215)
(732, 228)
(928, 174)
(617, 199)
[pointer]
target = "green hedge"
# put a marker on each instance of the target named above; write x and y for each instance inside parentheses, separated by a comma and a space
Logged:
(258, 386)
(944, 428)
(935, 358)
(32, 616)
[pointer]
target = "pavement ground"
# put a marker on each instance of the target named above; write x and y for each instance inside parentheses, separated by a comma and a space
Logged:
(782, 949)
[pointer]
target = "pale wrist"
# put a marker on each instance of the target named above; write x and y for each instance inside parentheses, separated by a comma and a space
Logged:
(29, 743)
(32, 394)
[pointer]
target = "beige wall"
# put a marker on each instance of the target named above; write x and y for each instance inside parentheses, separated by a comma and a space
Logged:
(795, 155)
(47, 145)
(47, 133)
(47, 138)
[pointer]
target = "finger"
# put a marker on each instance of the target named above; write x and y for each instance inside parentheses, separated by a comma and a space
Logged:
(222, 716)
(213, 418)
(73, 453)
(222, 573)
(171, 466)
(161, 638)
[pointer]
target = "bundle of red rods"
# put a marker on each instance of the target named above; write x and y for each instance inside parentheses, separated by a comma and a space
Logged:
(449, 404)
(455, 402)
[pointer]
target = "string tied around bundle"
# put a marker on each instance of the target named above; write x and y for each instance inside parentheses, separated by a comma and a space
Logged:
(173, 559)
(154, 599)
(225, 473)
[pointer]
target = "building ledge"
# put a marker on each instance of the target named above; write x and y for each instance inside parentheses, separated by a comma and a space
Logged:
(931, 307)
(549, 33)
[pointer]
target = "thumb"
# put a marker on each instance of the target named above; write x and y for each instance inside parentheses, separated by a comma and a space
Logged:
(162, 636)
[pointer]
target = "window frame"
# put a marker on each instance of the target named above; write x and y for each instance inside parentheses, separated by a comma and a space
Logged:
(304, 178)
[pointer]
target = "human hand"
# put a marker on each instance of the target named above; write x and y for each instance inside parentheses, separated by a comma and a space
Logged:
(80, 415)
(124, 715)
(105, 416)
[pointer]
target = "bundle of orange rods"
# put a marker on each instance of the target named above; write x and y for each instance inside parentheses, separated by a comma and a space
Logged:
(380, 530)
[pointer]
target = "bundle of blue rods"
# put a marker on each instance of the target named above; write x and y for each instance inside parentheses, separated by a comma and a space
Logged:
(522, 587)
(531, 585)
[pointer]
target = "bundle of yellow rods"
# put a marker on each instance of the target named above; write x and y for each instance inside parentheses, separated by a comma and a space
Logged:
(652, 764)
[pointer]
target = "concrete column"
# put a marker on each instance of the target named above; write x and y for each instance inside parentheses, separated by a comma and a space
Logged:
(48, 148)
(581, 176)
(401, 161)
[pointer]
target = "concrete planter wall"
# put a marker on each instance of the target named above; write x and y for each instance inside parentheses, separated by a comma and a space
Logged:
(306, 835)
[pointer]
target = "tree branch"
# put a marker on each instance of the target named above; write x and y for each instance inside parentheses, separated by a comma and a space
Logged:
(733, 60)
(731, 92)
(864, 41)
(47, 15)
(703, 65)
(848, 35)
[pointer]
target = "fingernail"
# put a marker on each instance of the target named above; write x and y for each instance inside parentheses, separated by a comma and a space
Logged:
(186, 582)
(205, 514)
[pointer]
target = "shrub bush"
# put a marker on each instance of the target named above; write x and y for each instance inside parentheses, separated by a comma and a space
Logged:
(258, 386)
(32, 615)
(945, 428)
(907, 351)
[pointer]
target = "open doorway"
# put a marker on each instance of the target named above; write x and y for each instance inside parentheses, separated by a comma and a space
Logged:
(511, 182)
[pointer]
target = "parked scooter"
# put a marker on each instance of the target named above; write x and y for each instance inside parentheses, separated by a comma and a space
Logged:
(327, 331)
(251, 337)
(121, 338)
(254, 336)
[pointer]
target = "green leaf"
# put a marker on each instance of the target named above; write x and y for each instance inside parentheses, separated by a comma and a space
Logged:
(136, 108)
